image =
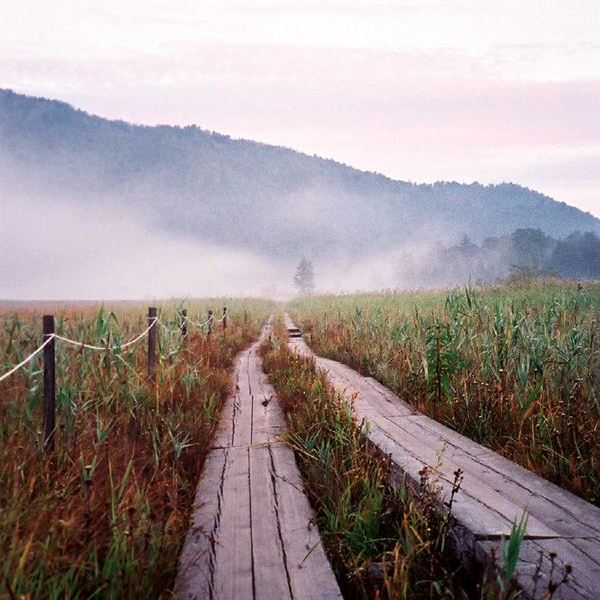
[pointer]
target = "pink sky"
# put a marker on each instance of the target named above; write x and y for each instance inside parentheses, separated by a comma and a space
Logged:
(422, 91)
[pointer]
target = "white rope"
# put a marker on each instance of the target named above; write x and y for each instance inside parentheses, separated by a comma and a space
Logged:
(24, 362)
(100, 348)
(211, 318)
(171, 331)
(110, 348)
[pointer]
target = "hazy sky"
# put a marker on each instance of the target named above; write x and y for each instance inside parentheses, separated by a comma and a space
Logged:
(467, 90)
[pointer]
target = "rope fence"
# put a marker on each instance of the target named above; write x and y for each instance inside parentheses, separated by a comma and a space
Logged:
(107, 348)
(200, 325)
(25, 361)
(49, 338)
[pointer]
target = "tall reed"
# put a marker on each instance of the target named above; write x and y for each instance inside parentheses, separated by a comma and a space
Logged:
(516, 368)
(105, 515)
(385, 541)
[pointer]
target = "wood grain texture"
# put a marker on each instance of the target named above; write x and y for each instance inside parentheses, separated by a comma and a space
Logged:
(252, 534)
(562, 528)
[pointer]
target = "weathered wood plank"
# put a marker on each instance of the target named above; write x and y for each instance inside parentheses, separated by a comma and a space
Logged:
(268, 422)
(224, 433)
(243, 404)
(233, 562)
(567, 514)
(271, 579)
(311, 577)
(494, 492)
(368, 390)
(195, 578)
(252, 532)
(256, 378)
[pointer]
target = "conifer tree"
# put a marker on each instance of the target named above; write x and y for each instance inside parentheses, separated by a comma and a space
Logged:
(304, 279)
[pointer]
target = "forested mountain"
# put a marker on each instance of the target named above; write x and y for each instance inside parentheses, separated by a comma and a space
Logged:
(269, 199)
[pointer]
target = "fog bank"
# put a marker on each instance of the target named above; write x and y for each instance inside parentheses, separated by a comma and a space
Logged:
(62, 250)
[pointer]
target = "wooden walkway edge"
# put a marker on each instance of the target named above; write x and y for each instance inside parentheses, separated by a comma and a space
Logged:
(252, 534)
(562, 528)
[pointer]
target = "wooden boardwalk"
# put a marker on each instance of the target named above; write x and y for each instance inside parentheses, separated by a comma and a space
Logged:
(494, 492)
(252, 535)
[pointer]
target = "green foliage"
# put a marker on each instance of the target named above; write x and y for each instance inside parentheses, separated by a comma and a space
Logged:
(524, 256)
(442, 361)
(511, 549)
(515, 368)
(104, 517)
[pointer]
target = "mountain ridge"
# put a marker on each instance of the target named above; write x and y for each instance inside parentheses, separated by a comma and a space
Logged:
(207, 185)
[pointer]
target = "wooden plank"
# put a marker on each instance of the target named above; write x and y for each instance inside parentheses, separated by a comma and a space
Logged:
(196, 562)
(384, 403)
(257, 380)
(468, 510)
(493, 493)
(311, 576)
(233, 562)
(251, 535)
(268, 421)
(564, 513)
(224, 433)
(270, 570)
(242, 435)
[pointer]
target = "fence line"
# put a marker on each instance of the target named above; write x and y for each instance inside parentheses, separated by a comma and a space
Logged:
(210, 318)
(49, 361)
(165, 328)
(24, 362)
(109, 348)
(154, 320)
(200, 325)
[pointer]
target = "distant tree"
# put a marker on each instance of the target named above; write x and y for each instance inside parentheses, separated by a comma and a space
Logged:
(527, 274)
(532, 247)
(578, 256)
(304, 279)
(466, 248)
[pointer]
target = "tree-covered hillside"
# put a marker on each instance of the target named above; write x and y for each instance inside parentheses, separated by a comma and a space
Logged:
(526, 254)
(269, 199)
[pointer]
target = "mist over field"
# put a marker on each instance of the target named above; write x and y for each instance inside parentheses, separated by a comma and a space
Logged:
(97, 209)
(59, 250)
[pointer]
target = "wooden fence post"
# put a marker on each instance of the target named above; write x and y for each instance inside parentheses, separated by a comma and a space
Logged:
(184, 322)
(224, 317)
(49, 385)
(152, 343)
(210, 314)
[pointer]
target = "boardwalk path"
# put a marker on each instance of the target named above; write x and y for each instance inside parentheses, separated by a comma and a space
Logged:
(494, 493)
(252, 536)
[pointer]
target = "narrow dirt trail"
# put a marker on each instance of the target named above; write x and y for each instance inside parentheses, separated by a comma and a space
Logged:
(494, 492)
(252, 535)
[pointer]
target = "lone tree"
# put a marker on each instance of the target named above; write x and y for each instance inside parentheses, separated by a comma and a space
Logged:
(304, 279)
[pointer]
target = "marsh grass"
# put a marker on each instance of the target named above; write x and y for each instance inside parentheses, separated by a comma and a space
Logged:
(384, 541)
(516, 368)
(106, 514)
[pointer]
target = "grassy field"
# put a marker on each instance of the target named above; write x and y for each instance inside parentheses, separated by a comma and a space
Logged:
(384, 541)
(106, 514)
(516, 368)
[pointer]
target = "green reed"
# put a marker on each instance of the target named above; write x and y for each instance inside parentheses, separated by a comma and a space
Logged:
(105, 515)
(516, 368)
